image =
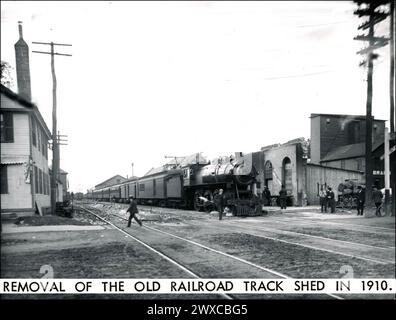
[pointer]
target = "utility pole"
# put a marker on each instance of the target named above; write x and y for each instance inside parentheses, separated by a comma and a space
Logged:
(392, 140)
(367, 8)
(387, 175)
(55, 146)
(392, 66)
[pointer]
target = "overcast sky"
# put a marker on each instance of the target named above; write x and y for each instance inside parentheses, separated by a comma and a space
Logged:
(149, 79)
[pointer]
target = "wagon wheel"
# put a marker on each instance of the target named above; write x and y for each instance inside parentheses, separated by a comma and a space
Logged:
(198, 203)
(347, 202)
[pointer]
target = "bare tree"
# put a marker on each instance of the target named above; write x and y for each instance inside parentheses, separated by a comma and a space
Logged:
(6, 78)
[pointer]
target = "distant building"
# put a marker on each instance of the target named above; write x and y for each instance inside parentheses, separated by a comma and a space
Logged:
(339, 141)
(288, 164)
(111, 181)
(62, 185)
(65, 183)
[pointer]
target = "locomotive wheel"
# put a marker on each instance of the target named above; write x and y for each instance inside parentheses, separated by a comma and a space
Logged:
(208, 195)
(198, 203)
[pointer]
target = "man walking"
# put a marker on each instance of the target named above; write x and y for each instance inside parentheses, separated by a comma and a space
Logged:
(283, 197)
(360, 201)
(219, 202)
(330, 199)
(377, 197)
(132, 212)
(267, 196)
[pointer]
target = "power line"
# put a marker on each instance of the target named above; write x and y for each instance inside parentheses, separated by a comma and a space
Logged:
(325, 24)
(299, 75)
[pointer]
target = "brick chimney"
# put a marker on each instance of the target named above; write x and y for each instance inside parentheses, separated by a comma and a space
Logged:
(22, 66)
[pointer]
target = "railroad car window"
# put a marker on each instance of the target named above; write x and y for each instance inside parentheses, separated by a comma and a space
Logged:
(7, 127)
(141, 187)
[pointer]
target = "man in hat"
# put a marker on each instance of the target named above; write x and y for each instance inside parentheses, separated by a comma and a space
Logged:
(283, 197)
(267, 196)
(331, 199)
(132, 212)
(219, 202)
(377, 197)
(323, 200)
(360, 201)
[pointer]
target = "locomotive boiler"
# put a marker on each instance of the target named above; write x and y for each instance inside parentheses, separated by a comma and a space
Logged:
(236, 175)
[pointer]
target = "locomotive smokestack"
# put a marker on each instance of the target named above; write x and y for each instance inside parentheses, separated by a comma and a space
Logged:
(22, 66)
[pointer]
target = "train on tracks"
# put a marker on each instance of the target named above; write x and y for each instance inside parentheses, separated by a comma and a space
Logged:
(190, 183)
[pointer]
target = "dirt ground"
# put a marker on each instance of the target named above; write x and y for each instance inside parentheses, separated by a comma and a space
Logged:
(366, 245)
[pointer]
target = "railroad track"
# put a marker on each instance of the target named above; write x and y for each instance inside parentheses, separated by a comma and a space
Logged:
(207, 249)
(362, 227)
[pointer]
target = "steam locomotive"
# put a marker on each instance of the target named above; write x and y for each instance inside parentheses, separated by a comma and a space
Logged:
(190, 183)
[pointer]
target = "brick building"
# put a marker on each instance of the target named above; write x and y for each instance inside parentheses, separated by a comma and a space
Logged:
(338, 141)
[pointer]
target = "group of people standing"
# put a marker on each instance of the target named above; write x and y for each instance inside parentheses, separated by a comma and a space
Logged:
(282, 197)
(327, 199)
(377, 199)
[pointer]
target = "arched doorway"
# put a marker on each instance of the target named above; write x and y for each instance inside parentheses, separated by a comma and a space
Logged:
(287, 175)
(268, 174)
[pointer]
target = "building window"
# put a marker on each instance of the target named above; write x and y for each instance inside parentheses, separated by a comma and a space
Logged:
(287, 175)
(48, 184)
(7, 127)
(40, 181)
(268, 170)
(4, 180)
(267, 173)
(46, 149)
(44, 183)
(359, 164)
(354, 132)
(34, 138)
(43, 143)
(36, 187)
(38, 138)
